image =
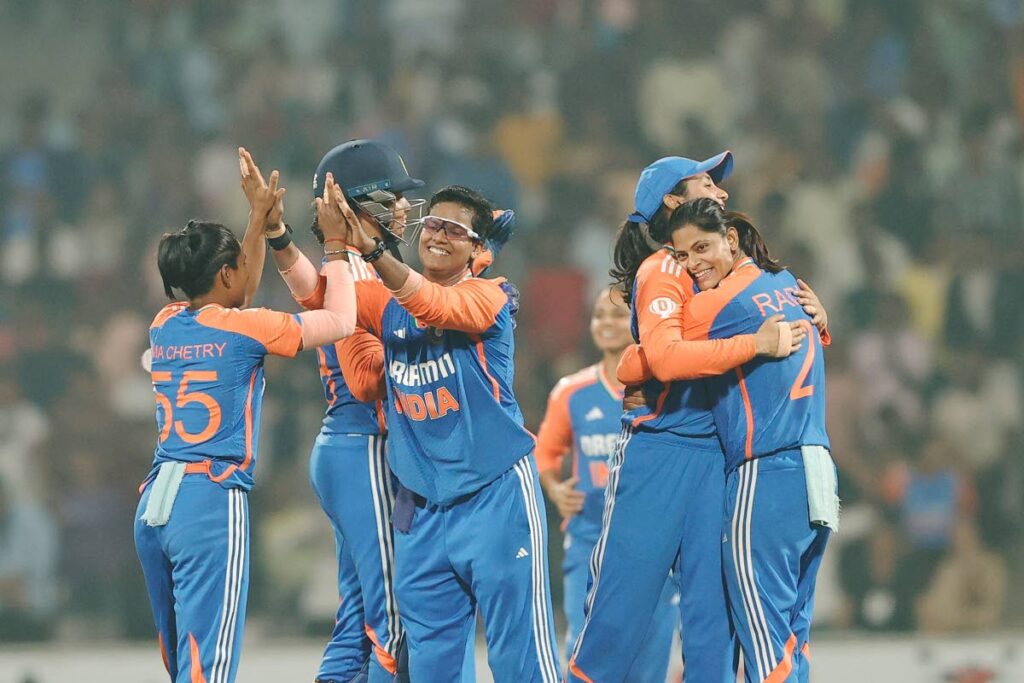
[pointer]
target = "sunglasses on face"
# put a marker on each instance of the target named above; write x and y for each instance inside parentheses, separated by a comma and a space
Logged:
(453, 230)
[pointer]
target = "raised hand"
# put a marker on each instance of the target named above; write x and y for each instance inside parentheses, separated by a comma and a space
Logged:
(265, 199)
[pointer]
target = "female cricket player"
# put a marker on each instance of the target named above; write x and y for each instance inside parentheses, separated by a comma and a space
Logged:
(582, 421)
(191, 529)
(471, 523)
(348, 466)
(781, 500)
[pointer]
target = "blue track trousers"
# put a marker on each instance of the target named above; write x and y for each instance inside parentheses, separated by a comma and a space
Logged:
(486, 551)
(197, 574)
(351, 479)
(663, 510)
(651, 663)
(771, 560)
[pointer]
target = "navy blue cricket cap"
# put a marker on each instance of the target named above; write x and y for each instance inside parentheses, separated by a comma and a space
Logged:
(658, 179)
(364, 166)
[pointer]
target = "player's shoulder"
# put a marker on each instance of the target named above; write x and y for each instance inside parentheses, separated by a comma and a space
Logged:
(168, 312)
(662, 263)
(570, 384)
(249, 322)
(483, 283)
(361, 270)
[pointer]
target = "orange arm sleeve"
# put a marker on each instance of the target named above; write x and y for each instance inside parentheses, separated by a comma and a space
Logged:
(315, 300)
(659, 305)
(361, 356)
(470, 306)
(554, 439)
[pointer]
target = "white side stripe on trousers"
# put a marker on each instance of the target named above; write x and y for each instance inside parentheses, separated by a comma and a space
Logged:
(597, 555)
(542, 629)
(383, 507)
(233, 575)
(760, 634)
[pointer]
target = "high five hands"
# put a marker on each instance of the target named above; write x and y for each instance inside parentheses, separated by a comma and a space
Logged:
(266, 200)
(338, 221)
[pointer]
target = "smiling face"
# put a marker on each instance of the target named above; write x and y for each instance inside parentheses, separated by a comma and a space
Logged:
(707, 256)
(609, 323)
(444, 258)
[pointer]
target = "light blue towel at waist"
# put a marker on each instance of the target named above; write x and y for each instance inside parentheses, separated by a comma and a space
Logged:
(162, 494)
(822, 487)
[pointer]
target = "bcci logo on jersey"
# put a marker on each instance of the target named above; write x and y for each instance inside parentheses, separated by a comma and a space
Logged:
(663, 307)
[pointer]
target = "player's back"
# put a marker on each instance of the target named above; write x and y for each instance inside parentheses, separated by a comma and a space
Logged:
(766, 405)
(662, 288)
(207, 372)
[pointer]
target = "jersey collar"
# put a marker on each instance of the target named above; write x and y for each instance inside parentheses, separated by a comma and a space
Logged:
(601, 375)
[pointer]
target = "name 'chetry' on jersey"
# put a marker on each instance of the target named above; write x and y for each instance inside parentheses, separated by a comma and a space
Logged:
(582, 420)
(207, 372)
(453, 420)
(345, 413)
(660, 292)
(766, 405)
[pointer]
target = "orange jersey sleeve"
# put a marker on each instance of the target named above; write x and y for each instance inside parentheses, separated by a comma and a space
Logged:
(470, 306)
(554, 439)
(633, 366)
(279, 332)
(664, 290)
(372, 298)
(361, 356)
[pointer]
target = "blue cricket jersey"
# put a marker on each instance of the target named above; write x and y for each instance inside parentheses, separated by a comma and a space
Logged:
(207, 372)
(766, 405)
(453, 420)
(660, 292)
(582, 419)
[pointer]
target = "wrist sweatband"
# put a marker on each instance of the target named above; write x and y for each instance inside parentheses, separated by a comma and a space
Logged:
(376, 253)
(785, 339)
(281, 241)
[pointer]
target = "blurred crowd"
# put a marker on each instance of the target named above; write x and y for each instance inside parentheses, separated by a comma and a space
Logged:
(878, 146)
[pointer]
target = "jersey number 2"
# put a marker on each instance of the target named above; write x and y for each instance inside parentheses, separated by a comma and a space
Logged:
(799, 390)
(183, 398)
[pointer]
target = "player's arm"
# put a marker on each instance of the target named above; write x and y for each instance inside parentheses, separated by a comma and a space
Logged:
(554, 440)
(670, 357)
(361, 356)
(337, 319)
(306, 284)
(264, 201)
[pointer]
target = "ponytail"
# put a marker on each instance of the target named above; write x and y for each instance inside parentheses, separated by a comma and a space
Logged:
(190, 259)
(632, 247)
(751, 242)
(635, 243)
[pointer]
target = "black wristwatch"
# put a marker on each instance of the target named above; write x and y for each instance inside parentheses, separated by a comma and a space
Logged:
(281, 241)
(376, 253)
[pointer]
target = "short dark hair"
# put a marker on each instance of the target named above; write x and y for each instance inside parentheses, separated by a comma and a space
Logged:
(483, 209)
(190, 258)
